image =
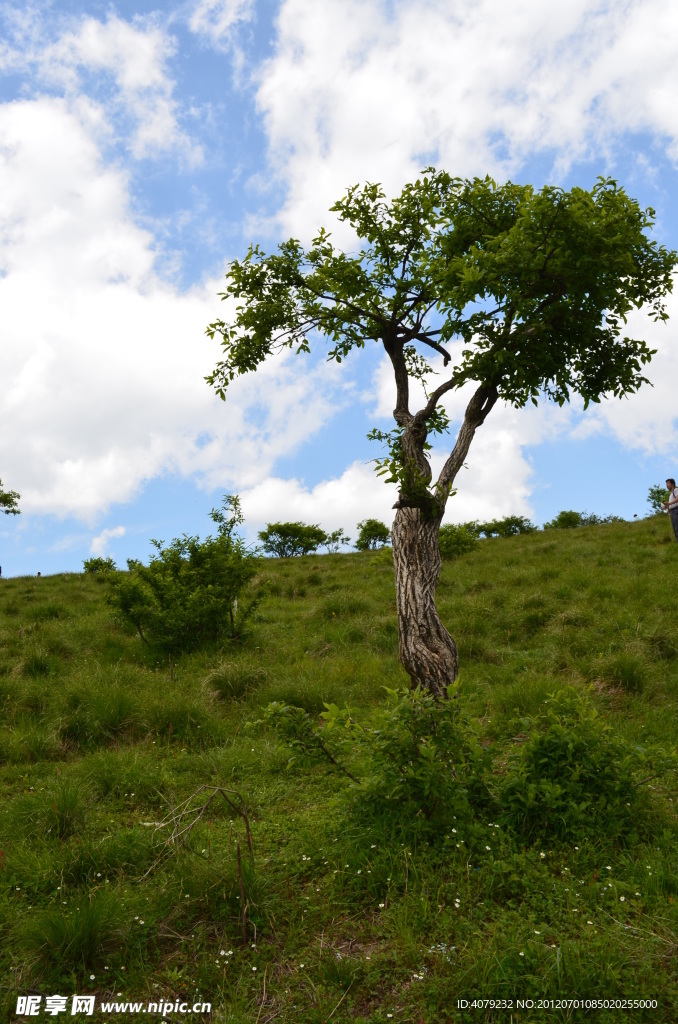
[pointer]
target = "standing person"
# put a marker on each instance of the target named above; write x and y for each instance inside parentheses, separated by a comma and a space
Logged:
(672, 504)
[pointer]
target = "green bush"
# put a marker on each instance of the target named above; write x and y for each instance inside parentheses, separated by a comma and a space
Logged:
(99, 565)
(372, 534)
(570, 520)
(287, 540)
(425, 766)
(186, 598)
(457, 539)
(573, 776)
(509, 526)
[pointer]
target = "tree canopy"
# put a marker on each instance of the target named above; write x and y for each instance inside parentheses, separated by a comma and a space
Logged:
(536, 283)
(9, 502)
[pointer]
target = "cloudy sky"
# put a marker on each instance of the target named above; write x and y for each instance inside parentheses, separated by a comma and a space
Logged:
(142, 147)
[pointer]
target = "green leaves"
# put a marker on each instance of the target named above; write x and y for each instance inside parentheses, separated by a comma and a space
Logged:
(538, 285)
(9, 502)
(187, 596)
(285, 540)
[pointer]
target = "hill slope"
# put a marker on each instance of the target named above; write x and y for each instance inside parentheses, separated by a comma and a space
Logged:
(352, 914)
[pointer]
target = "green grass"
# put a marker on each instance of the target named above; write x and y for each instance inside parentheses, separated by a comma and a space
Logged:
(350, 915)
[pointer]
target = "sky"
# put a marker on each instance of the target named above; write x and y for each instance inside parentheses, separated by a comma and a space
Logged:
(143, 147)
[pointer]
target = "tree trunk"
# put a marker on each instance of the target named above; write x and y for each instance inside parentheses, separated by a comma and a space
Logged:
(427, 651)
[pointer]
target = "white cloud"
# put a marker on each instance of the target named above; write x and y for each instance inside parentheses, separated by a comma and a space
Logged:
(132, 56)
(102, 363)
(341, 502)
(364, 90)
(100, 543)
(216, 20)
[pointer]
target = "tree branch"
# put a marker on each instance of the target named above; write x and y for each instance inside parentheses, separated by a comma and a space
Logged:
(476, 412)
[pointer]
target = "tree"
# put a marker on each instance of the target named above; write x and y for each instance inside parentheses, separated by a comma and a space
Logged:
(570, 520)
(535, 284)
(656, 497)
(509, 526)
(372, 534)
(333, 541)
(9, 502)
(286, 540)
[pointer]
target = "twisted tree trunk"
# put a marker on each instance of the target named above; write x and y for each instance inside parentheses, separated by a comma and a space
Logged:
(427, 651)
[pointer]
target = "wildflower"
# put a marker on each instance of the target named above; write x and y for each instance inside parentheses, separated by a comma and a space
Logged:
(589, 922)
(542, 855)
(608, 868)
(91, 977)
(536, 932)
(622, 898)
(381, 906)
(373, 846)
(521, 954)
(222, 952)
(254, 968)
(487, 847)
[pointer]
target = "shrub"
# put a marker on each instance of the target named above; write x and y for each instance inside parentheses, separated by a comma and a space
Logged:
(573, 775)
(186, 598)
(99, 565)
(509, 526)
(457, 539)
(286, 540)
(424, 761)
(569, 520)
(372, 534)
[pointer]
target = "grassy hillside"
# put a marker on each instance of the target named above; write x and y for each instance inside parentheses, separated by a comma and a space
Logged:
(353, 914)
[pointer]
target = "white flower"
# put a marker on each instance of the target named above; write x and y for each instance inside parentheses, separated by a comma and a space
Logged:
(622, 898)
(536, 932)
(521, 954)
(487, 847)
(542, 855)
(91, 977)
(608, 868)
(222, 952)
(381, 906)
(254, 968)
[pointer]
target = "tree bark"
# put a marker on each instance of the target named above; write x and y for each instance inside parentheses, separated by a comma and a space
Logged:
(427, 651)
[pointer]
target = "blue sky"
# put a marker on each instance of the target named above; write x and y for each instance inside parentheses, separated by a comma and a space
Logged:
(141, 148)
